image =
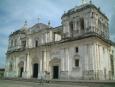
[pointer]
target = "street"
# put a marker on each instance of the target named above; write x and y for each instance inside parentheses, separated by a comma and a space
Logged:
(10, 83)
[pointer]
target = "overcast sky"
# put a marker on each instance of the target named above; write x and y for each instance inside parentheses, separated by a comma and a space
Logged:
(13, 13)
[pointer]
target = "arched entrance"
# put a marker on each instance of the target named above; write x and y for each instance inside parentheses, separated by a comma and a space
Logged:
(21, 71)
(21, 68)
(55, 68)
(35, 70)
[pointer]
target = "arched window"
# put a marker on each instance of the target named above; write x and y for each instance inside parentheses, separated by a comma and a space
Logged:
(15, 42)
(24, 43)
(71, 27)
(82, 23)
(76, 49)
(10, 66)
(36, 43)
(76, 62)
(12, 43)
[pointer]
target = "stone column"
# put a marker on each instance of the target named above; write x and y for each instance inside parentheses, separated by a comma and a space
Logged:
(62, 61)
(41, 73)
(90, 56)
(75, 25)
(44, 61)
(28, 65)
(92, 60)
(98, 60)
(95, 60)
(17, 67)
(68, 60)
(24, 74)
(45, 64)
(66, 63)
(6, 67)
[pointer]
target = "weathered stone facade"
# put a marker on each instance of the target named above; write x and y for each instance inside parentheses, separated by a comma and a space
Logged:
(78, 49)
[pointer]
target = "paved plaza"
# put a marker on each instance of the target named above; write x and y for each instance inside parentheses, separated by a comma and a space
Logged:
(9, 83)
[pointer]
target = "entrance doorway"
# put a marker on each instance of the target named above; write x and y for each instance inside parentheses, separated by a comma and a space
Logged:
(21, 71)
(21, 68)
(35, 70)
(55, 72)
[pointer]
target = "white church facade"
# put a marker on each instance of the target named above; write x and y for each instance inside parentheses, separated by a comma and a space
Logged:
(79, 49)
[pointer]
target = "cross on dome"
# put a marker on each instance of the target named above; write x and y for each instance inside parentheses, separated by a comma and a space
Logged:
(86, 1)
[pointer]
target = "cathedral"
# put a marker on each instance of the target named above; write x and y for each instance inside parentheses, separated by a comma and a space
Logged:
(79, 49)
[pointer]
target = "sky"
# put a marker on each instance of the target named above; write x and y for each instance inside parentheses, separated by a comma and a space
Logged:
(13, 13)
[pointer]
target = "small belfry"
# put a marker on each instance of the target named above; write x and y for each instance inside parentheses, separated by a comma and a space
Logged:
(25, 25)
(38, 19)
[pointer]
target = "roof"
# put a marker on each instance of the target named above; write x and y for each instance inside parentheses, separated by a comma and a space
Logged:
(58, 29)
(39, 26)
(17, 32)
(81, 8)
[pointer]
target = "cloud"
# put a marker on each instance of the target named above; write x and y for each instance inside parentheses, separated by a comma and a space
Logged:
(112, 27)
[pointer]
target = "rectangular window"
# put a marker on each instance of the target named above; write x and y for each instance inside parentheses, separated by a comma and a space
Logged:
(76, 49)
(76, 62)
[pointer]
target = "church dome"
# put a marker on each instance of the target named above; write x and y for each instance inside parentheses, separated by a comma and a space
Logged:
(38, 27)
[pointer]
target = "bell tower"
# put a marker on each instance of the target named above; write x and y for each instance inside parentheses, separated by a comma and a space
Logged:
(84, 20)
